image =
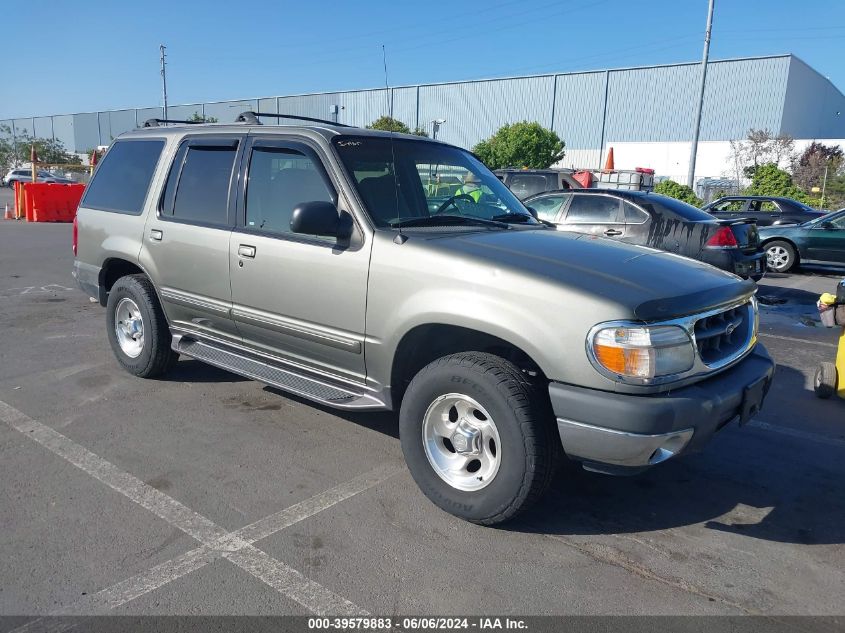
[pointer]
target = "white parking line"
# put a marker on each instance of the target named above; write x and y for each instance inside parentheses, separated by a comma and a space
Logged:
(804, 435)
(236, 547)
(797, 340)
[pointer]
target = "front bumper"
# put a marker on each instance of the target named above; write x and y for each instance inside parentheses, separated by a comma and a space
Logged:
(622, 434)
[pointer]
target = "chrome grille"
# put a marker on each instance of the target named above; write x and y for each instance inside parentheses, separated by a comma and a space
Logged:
(722, 336)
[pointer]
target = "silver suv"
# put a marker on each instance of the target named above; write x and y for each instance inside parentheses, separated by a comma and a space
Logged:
(368, 270)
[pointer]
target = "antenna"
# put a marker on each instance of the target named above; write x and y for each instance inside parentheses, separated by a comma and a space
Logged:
(386, 84)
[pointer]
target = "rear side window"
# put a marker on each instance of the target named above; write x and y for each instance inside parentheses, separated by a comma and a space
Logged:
(593, 209)
(524, 185)
(123, 177)
(198, 186)
(634, 215)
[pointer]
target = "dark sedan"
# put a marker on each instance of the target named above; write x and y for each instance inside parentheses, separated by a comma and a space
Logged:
(766, 210)
(650, 219)
(820, 242)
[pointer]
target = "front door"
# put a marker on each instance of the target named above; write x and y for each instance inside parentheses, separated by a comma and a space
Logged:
(186, 243)
(827, 244)
(298, 297)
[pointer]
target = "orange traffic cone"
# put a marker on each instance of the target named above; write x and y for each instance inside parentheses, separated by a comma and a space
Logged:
(8, 215)
(608, 166)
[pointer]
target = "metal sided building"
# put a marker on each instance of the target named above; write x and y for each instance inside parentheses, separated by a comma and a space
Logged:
(645, 114)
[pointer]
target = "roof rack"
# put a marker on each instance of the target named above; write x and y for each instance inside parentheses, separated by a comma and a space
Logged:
(158, 122)
(252, 118)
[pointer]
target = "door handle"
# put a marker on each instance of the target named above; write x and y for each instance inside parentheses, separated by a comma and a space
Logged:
(246, 251)
(156, 234)
(612, 232)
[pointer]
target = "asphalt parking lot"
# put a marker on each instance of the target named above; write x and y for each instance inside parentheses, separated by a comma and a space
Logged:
(205, 493)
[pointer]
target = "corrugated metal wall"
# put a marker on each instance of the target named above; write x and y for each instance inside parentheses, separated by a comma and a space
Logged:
(588, 110)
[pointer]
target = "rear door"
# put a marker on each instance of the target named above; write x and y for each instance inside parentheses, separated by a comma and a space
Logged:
(766, 212)
(729, 208)
(186, 243)
(301, 298)
(595, 214)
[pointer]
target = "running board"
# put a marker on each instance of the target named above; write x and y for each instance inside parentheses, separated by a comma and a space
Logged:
(320, 390)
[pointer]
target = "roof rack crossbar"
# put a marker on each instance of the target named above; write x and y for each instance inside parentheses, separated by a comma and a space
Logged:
(252, 117)
(158, 122)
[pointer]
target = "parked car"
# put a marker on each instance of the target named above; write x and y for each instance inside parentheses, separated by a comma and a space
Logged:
(651, 219)
(766, 210)
(25, 175)
(316, 259)
(528, 182)
(819, 242)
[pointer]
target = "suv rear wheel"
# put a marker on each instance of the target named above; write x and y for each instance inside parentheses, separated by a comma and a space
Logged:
(478, 438)
(137, 328)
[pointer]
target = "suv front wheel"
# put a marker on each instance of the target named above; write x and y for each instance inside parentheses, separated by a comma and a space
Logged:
(137, 328)
(478, 438)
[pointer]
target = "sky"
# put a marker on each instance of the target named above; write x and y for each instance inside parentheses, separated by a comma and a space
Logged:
(101, 54)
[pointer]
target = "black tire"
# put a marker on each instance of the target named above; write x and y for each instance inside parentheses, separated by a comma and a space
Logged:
(529, 442)
(824, 384)
(787, 255)
(155, 357)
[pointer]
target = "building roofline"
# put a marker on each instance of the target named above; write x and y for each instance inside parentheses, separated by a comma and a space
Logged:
(439, 83)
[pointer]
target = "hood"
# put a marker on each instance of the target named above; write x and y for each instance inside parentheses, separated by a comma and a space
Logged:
(652, 284)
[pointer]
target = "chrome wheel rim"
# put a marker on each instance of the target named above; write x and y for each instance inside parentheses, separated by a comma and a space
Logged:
(129, 327)
(777, 257)
(461, 442)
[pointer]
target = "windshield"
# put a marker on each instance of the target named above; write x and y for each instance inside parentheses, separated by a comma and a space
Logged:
(407, 182)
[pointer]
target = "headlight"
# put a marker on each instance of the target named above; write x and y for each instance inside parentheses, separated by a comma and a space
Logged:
(639, 353)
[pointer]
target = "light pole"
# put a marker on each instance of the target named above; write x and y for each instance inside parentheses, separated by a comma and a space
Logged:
(435, 127)
(697, 128)
(161, 50)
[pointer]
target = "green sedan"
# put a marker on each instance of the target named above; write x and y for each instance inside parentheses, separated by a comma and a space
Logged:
(819, 242)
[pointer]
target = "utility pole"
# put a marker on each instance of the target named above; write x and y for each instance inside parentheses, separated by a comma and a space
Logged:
(161, 49)
(824, 186)
(697, 128)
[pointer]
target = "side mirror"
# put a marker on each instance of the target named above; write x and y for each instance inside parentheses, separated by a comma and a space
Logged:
(317, 218)
(533, 212)
(827, 225)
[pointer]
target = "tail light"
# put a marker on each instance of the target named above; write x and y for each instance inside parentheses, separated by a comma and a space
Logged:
(75, 234)
(723, 238)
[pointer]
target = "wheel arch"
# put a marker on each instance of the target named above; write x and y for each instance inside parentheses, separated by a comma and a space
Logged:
(427, 342)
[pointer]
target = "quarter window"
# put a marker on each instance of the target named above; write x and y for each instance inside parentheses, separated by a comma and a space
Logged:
(202, 193)
(634, 215)
(279, 181)
(593, 209)
(123, 177)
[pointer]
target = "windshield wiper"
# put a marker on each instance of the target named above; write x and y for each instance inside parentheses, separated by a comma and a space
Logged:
(446, 220)
(520, 218)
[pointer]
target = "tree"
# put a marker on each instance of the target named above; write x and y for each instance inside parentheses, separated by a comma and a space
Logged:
(808, 171)
(17, 150)
(196, 117)
(761, 147)
(521, 144)
(678, 191)
(770, 180)
(389, 124)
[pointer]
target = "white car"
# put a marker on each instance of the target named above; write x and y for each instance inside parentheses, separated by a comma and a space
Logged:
(25, 175)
